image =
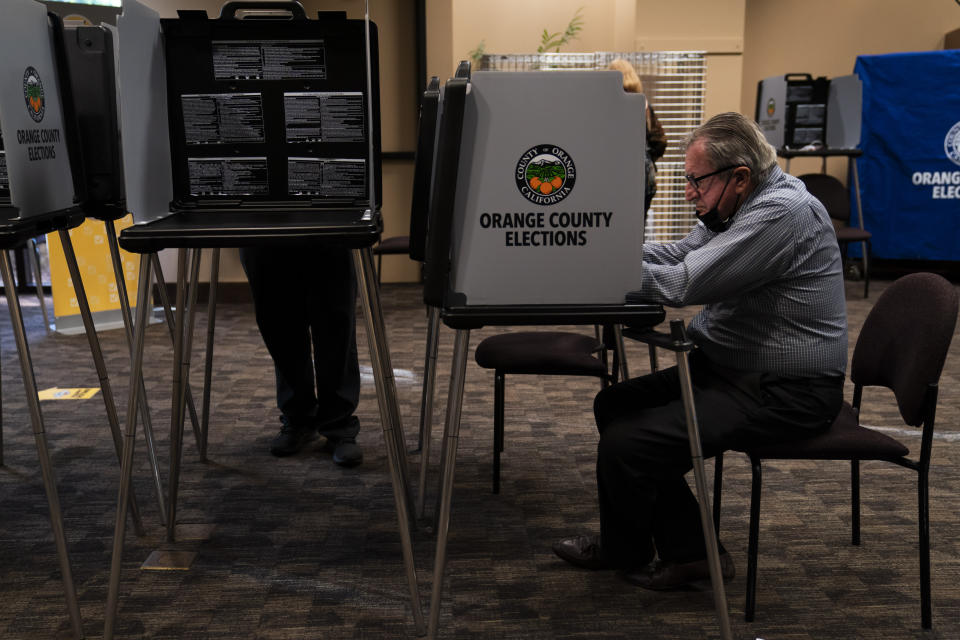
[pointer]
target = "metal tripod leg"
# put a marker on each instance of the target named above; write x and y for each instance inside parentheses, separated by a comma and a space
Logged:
(168, 313)
(389, 416)
(176, 415)
(105, 389)
(34, 253)
(682, 349)
(451, 434)
(366, 275)
(142, 404)
(192, 294)
(126, 464)
(46, 467)
(426, 403)
(208, 363)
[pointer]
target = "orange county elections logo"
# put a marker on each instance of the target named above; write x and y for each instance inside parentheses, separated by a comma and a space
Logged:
(545, 174)
(951, 144)
(33, 94)
(771, 106)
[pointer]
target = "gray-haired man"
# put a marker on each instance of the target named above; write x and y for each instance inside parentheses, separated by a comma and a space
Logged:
(770, 362)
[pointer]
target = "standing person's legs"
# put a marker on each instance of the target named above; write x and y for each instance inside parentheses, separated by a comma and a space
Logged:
(282, 319)
(332, 304)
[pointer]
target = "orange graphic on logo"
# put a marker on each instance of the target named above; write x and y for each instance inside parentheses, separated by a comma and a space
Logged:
(33, 94)
(543, 177)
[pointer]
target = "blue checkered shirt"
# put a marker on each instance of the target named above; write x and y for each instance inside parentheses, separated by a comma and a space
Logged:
(771, 284)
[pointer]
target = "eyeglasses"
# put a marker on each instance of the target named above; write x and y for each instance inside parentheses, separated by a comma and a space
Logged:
(696, 180)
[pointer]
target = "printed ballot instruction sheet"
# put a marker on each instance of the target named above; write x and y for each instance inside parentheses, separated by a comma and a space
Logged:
(255, 117)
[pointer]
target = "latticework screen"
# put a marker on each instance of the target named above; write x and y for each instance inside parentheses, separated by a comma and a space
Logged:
(674, 83)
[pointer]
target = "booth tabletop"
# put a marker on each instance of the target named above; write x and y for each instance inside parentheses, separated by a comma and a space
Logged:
(634, 315)
(212, 229)
(15, 230)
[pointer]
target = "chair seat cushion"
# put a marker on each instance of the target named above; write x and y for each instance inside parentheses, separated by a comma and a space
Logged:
(542, 352)
(393, 244)
(846, 439)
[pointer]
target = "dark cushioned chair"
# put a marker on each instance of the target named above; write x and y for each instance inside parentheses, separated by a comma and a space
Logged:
(392, 246)
(556, 353)
(902, 346)
(836, 199)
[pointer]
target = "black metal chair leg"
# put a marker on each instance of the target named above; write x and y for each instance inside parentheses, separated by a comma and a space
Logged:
(855, 502)
(751, 604)
(866, 269)
(923, 503)
(499, 389)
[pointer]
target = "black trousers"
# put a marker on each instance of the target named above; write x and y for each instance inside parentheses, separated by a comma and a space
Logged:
(305, 304)
(646, 506)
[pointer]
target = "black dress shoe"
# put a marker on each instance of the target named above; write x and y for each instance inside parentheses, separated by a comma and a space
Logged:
(582, 551)
(291, 439)
(665, 575)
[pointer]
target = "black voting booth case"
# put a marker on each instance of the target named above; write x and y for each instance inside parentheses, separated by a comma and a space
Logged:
(268, 117)
(274, 141)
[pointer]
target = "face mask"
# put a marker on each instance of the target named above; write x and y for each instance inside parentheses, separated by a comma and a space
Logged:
(711, 218)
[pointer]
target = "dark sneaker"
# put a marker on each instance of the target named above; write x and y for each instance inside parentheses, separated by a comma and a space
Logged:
(291, 439)
(346, 451)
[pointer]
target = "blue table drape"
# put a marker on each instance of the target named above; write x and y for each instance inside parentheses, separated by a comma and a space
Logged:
(910, 168)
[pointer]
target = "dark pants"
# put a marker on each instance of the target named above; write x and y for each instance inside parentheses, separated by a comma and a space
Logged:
(306, 297)
(646, 506)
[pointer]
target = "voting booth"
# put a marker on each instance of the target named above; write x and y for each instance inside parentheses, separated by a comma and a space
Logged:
(37, 196)
(796, 110)
(36, 158)
(543, 191)
(266, 128)
(272, 114)
(536, 218)
(552, 169)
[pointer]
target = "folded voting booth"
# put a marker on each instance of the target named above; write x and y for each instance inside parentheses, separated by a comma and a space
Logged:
(270, 121)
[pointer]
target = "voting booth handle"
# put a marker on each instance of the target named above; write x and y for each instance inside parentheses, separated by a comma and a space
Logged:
(229, 10)
(798, 76)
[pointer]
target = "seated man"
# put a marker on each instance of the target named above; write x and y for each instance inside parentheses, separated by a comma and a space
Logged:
(770, 362)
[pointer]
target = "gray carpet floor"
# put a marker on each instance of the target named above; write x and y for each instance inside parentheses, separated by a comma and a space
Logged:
(304, 549)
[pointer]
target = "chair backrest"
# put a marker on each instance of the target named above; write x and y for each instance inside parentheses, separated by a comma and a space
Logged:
(830, 192)
(904, 340)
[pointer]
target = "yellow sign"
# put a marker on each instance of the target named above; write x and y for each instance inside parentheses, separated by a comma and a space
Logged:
(96, 268)
(68, 394)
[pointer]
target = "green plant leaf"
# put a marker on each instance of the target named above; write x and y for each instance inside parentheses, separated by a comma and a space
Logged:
(556, 40)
